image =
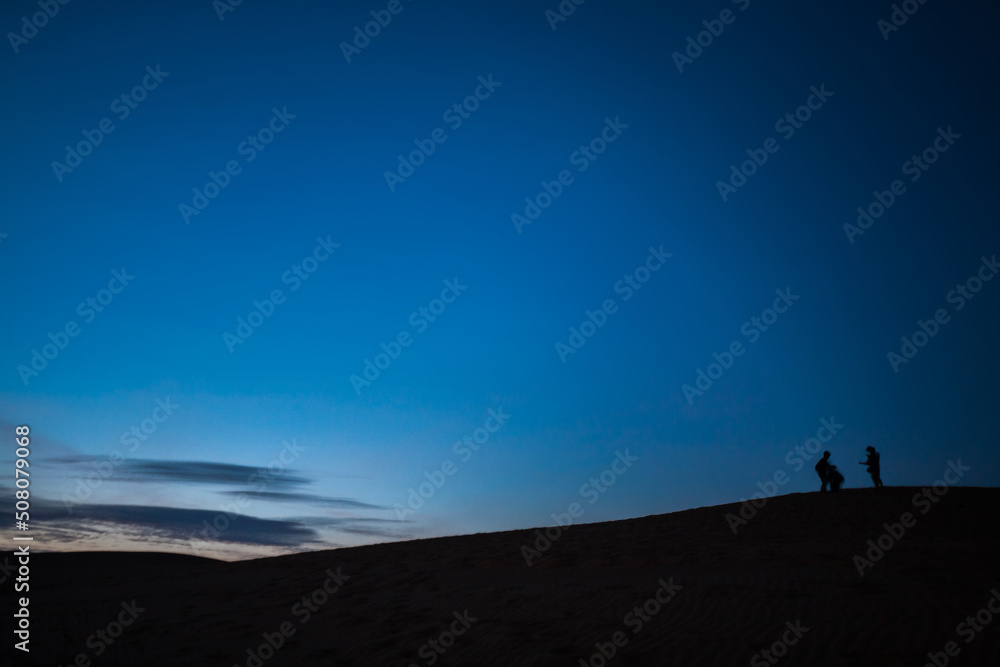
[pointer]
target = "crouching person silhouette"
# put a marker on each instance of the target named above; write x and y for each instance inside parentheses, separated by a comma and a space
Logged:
(835, 478)
(874, 467)
(828, 474)
(823, 470)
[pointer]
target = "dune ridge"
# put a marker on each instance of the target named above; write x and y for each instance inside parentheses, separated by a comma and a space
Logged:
(671, 589)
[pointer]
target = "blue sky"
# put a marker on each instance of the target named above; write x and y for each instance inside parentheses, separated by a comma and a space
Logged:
(312, 199)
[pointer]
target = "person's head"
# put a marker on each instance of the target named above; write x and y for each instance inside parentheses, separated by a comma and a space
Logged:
(869, 448)
(826, 455)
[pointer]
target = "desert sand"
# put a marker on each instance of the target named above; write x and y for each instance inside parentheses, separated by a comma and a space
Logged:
(787, 583)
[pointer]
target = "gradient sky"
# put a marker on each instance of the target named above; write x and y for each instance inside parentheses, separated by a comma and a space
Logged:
(356, 455)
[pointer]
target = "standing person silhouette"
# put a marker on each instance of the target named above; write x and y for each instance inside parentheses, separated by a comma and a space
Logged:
(874, 467)
(823, 470)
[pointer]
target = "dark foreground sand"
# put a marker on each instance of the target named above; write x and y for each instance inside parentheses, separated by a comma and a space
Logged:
(733, 595)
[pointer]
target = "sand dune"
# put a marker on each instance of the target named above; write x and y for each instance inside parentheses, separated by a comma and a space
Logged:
(674, 589)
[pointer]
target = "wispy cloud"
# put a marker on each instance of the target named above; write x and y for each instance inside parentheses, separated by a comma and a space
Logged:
(157, 525)
(188, 472)
(168, 523)
(308, 499)
(359, 526)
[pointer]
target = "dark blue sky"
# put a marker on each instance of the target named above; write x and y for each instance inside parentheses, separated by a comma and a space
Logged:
(307, 209)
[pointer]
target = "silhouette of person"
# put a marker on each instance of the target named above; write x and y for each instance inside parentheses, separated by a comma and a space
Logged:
(874, 467)
(823, 470)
